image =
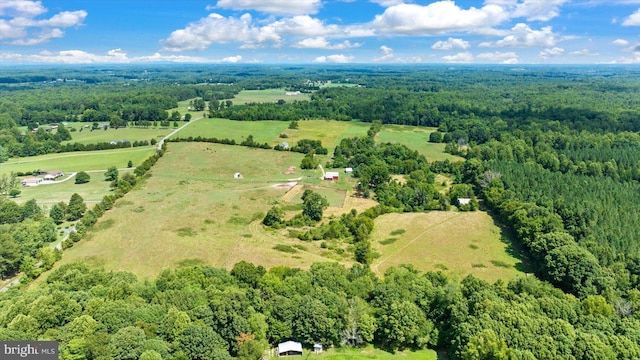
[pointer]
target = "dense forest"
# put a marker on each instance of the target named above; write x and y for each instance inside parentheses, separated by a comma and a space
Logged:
(552, 153)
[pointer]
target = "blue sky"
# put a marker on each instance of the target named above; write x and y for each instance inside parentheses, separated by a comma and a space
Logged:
(321, 31)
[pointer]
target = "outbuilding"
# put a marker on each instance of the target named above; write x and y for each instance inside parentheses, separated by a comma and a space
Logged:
(348, 170)
(288, 348)
(31, 181)
(331, 175)
(237, 176)
(317, 348)
(464, 201)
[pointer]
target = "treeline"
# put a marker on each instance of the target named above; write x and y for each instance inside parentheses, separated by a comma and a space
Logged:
(208, 313)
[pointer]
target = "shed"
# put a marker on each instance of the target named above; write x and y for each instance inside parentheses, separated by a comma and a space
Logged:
(289, 348)
(464, 201)
(31, 181)
(348, 170)
(317, 348)
(331, 175)
(284, 145)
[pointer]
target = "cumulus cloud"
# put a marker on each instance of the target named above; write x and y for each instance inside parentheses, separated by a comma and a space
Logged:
(584, 52)
(321, 42)
(450, 44)
(521, 35)
(112, 56)
(437, 18)
(387, 3)
(633, 19)
(276, 7)
(232, 59)
(499, 57)
(464, 57)
(386, 54)
(337, 58)
(620, 42)
(551, 52)
(302, 25)
(219, 29)
(22, 27)
(532, 10)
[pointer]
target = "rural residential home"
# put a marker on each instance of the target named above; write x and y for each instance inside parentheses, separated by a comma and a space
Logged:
(31, 181)
(289, 348)
(331, 175)
(52, 175)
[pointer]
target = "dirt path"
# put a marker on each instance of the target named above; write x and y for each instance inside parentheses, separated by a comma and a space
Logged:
(292, 193)
(176, 131)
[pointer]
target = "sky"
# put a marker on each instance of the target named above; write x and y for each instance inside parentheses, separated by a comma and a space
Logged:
(320, 31)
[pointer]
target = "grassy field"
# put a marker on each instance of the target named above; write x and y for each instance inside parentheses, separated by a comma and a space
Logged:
(370, 353)
(416, 138)
(86, 136)
(268, 95)
(459, 242)
(79, 161)
(330, 132)
(191, 208)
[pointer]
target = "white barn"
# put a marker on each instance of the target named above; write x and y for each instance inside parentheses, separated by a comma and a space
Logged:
(289, 348)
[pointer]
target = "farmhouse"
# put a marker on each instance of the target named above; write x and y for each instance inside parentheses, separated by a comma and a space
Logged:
(31, 181)
(52, 175)
(289, 348)
(331, 175)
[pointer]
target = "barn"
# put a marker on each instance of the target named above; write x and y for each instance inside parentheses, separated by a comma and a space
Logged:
(331, 175)
(289, 348)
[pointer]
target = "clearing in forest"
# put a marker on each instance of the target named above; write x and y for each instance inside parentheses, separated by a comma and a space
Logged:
(416, 138)
(459, 243)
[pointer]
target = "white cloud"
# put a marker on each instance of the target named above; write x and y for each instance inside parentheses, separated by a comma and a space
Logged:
(465, 57)
(21, 27)
(499, 57)
(232, 59)
(219, 29)
(633, 19)
(387, 3)
(302, 25)
(532, 10)
(321, 42)
(112, 56)
(551, 52)
(524, 36)
(620, 42)
(277, 7)
(337, 58)
(451, 43)
(437, 18)
(386, 54)
(584, 52)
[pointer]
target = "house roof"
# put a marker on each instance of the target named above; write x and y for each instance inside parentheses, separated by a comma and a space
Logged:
(332, 174)
(31, 180)
(289, 346)
(464, 201)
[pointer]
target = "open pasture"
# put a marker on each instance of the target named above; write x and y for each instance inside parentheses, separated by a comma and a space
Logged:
(416, 138)
(459, 242)
(86, 136)
(262, 131)
(79, 161)
(267, 95)
(330, 132)
(192, 209)
(370, 353)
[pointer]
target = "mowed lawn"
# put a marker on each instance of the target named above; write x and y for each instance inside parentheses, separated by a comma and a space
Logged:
(460, 243)
(416, 138)
(192, 209)
(79, 161)
(264, 96)
(370, 353)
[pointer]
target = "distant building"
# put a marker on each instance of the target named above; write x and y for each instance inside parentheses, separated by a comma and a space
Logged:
(331, 175)
(464, 201)
(284, 145)
(289, 348)
(348, 170)
(292, 93)
(237, 176)
(52, 175)
(31, 181)
(317, 348)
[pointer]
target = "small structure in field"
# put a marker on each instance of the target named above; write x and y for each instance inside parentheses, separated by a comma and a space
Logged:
(464, 201)
(317, 348)
(284, 145)
(31, 181)
(289, 348)
(237, 176)
(348, 170)
(331, 175)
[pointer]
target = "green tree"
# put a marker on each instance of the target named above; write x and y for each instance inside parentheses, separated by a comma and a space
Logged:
(14, 192)
(82, 178)
(402, 324)
(111, 174)
(57, 213)
(10, 255)
(274, 217)
(293, 125)
(127, 343)
(187, 117)
(313, 205)
(487, 346)
(130, 164)
(202, 343)
(4, 156)
(76, 208)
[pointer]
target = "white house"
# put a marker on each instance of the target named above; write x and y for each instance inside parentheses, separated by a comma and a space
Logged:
(289, 348)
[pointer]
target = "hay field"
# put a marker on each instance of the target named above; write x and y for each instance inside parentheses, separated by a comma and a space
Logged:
(416, 138)
(460, 243)
(191, 208)
(267, 95)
